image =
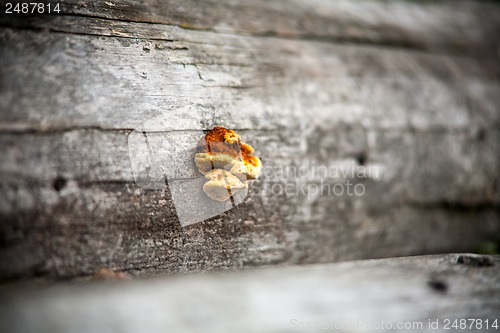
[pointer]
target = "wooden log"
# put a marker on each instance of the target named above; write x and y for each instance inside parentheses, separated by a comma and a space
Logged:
(382, 85)
(396, 295)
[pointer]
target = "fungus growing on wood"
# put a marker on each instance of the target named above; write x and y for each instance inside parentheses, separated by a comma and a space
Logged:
(226, 162)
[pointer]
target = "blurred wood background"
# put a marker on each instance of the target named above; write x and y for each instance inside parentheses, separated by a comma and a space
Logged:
(408, 87)
(341, 297)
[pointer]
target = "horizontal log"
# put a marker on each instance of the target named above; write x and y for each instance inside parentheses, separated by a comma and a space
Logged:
(250, 83)
(69, 211)
(414, 291)
(442, 26)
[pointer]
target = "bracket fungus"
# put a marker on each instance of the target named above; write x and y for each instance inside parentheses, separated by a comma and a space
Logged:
(226, 162)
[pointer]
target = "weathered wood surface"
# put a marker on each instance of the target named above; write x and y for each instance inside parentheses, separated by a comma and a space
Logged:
(409, 89)
(344, 297)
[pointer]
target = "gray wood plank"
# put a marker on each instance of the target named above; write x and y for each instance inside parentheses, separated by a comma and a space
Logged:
(441, 26)
(251, 82)
(347, 297)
